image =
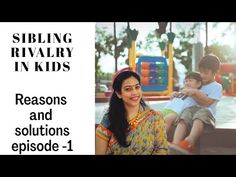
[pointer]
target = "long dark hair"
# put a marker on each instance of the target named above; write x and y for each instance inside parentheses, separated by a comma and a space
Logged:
(117, 113)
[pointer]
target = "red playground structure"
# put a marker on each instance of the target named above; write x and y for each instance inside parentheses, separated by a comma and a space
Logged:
(227, 77)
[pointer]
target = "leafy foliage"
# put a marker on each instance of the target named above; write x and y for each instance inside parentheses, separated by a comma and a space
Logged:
(105, 44)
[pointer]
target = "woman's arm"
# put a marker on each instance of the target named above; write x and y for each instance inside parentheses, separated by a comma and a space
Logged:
(101, 146)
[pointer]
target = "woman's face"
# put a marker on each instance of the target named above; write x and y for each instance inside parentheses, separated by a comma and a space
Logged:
(131, 93)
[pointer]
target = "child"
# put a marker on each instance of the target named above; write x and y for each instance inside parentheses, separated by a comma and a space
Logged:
(182, 101)
(196, 118)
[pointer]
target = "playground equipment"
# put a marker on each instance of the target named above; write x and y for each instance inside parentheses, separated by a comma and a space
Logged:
(132, 36)
(156, 74)
(227, 77)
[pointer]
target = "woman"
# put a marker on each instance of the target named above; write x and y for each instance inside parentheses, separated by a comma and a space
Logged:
(129, 126)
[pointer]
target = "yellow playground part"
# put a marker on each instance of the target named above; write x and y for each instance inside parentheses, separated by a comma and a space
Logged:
(132, 35)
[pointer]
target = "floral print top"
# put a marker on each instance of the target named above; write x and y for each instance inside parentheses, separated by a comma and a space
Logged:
(146, 135)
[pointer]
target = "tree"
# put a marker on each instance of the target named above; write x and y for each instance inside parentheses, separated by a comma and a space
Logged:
(184, 51)
(224, 52)
(231, 28)
(103, 46)
(151, 41)
(120, 43)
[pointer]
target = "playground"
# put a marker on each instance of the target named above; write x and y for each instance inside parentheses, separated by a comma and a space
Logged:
(157, 83)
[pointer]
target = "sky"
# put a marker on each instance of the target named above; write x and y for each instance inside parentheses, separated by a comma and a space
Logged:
(214, 35)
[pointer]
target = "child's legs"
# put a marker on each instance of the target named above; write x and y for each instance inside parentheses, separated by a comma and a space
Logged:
(180, 132)
(201, 118)
(196, 131)
(184, 124)
(169, 119)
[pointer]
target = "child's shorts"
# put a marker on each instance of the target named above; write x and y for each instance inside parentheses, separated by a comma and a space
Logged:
(166, 112)
(197, 112)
